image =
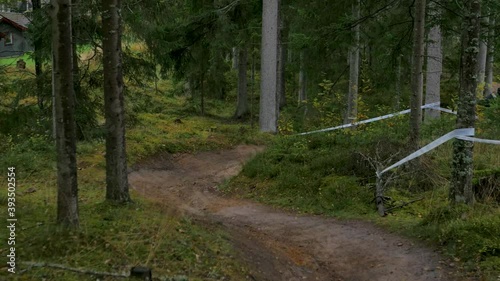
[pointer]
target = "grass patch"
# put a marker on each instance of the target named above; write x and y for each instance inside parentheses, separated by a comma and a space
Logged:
(111, 238)
(332, 174)
(114, 238)
(11, 61)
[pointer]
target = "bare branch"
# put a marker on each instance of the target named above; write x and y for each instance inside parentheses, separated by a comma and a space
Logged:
(72, 269)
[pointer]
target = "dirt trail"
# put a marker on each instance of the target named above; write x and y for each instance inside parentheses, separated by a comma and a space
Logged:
(277, 245)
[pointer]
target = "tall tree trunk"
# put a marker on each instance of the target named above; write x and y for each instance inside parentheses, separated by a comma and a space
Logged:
(54, 117)
(202, 86)
(490, 59)
(76, 68)
(242, 107)
(352, 98)
(417, 80)
(434, 67)
(282, 57)
(67, 185)
(302, 79)
(37, 44)
(461, 184)
(76, 35)
(252, 90)
(268, 116)
(116, 157)
(483, 50)
(202, 78)
(398, 83)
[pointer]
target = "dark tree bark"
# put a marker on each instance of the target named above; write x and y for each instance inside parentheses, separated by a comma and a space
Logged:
(116, 158)
(461, 184)
(67, 186)
(242, 106)
(417, 80)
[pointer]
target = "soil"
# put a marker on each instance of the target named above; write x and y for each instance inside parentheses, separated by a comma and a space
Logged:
(278, 245)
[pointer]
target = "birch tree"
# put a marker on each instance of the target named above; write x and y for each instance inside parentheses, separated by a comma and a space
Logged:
(352, 97)
(268, 115)
(116, 158)
(64, 105)
(417, 79)
(461, 184)
(434, 64)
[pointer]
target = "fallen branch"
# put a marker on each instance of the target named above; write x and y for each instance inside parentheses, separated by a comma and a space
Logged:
(77, 270)
(404, 204)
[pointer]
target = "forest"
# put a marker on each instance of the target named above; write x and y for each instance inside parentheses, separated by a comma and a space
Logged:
(250, 140)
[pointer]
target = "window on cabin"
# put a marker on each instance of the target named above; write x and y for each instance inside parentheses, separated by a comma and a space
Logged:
(8, 38)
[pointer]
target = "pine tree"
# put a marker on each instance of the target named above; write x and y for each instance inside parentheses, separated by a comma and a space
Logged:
(116, 157)
(64, 96)
(417, 81)
(461, 185)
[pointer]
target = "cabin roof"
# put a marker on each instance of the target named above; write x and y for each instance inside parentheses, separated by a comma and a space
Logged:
(16, 20)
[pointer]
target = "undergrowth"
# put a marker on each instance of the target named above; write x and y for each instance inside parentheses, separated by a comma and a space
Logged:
(334, 174)
(115, 238)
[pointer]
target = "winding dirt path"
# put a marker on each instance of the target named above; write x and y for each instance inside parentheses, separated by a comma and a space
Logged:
(278, 245)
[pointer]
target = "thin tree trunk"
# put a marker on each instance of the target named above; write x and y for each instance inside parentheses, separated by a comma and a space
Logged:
(202, 80)
(398, 83)
(417, 74)
(37, 44)
(483, 50)
(76, 69)
(268, 117)
(202, 88)
(352, 98)
(488, 87)
(235, 54)
(461, 184)
(434, 69)
(54, 117)
(242, 107)
(252, 92)
(116, 157)
(282, 56)
(67, 185)
(302, 79)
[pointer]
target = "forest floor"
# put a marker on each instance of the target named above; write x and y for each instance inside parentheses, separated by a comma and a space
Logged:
(279, 245)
